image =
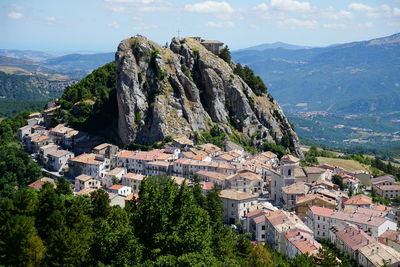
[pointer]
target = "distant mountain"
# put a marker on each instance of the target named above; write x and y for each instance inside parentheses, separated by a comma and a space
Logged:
(79, 62)
(22, 79)
(23, 65)
(262, 47)
(32, 55)
(357, 77)
(35, 75)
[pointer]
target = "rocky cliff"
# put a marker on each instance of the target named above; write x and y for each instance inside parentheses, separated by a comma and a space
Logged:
(185, 88)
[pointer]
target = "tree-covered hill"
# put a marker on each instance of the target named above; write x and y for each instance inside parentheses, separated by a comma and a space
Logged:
(91, 104)
(355, 77)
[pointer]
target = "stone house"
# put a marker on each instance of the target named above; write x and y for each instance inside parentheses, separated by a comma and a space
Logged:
(85, 181)
(377, 254)
(304, 202)
(391, 238)
(213, 46)
(362, 201)
(236, 205)
(348, 238)
(133, 180)
(245, 181)
(215, 177)
(388, 191)
(38, 142)
(89, 164)
(321, 219)
(291, 192)
(58, 159)
(157, 168)
(107, 179)
(301, 242)
(120, 190)
(278, 224)
(105, 149)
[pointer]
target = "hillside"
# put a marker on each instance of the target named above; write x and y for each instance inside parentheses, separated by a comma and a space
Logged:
(357, 77)
(347, 164)
(31, 87)
(79, 64)
(183, 89)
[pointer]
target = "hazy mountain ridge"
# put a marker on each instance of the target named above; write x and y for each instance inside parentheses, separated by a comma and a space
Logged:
(325, 78)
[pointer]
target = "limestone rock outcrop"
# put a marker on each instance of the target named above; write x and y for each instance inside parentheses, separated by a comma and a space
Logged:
(185, 88)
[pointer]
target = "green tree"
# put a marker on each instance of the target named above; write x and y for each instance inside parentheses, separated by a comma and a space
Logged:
(338, 180)
(259, 256)
(63, 187)
(254, 82)
(20, 244)
(326, 257)
(101, 204)
(115, 243)
(225, 54)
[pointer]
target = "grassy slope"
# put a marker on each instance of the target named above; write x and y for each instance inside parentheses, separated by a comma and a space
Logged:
(350, 165)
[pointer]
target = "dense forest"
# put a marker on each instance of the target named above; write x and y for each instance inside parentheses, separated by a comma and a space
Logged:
(12, 107)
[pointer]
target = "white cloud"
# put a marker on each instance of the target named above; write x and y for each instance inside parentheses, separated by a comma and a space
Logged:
(210, 7)
(365, 25)
(15, 15)
(360, 7)
(331, 13)
(335, 26)
(220, 24)
(293, 23)
(375, 12)
(114, 25)
(50, 19)
(137, 6)
(290, 5)
(396, 12)
(261, 7)
(145, 26)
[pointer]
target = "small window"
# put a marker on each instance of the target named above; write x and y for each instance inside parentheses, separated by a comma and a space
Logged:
(263, 227)
(263, 236)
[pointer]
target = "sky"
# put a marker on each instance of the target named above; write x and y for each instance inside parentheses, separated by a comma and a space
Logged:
(99, 25)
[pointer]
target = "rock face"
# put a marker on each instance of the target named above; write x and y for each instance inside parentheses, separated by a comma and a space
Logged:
(185, 88)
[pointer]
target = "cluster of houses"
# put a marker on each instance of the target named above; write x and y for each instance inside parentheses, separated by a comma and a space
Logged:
(278, 201)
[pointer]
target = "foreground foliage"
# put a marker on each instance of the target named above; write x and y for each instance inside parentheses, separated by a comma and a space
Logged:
(169, 225)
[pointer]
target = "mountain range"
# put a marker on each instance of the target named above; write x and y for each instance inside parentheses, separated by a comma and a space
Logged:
(354, 77)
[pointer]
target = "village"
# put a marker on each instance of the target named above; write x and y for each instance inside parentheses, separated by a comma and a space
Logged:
(279, 202)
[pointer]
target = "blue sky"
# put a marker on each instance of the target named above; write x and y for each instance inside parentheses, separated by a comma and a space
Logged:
(99, 25)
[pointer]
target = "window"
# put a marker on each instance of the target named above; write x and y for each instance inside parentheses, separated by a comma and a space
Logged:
(263, 236)
(289, 172)
(263, 227)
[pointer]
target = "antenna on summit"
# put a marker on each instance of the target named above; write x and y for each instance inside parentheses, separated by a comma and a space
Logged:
(179, 31)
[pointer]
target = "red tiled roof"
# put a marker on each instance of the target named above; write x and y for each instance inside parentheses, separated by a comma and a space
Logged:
(359, 200)
(116, 187)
